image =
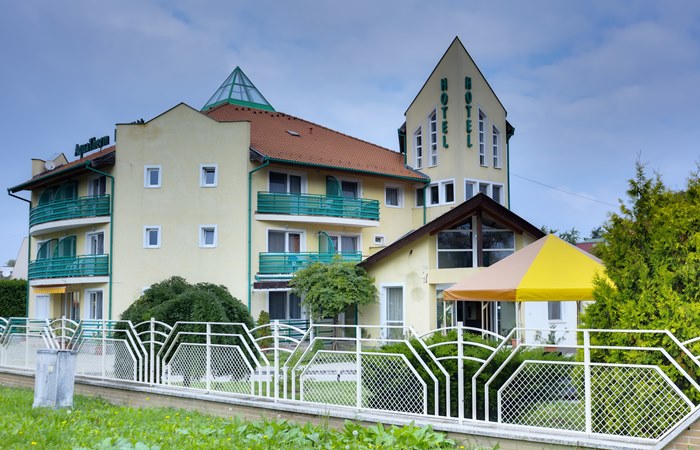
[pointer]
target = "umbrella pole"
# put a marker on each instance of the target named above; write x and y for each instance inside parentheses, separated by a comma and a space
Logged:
(517, 321)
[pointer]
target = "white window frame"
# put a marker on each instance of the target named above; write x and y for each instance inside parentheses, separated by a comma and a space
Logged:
(301, 175)
(203, 175)
(561, 312)
(350, 180)
(301, 233)
(88, 303)
(489, 190)
(473, 237)
(496, 147)
(418, 191)
(416, 147)
(339, 236)
(147, 179)
(399, 196)
(441, 184)
(202, 231)
(383, 305)
(146, 229)
(483, 160)
(88, 242)
(91, 185)
(432, 123)
(287, 292)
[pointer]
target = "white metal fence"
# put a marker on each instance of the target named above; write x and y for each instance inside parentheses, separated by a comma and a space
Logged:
(457, 374)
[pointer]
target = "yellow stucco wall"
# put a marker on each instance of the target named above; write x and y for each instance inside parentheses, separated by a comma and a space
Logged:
(457, 162)
(415, 268)
(180, 141)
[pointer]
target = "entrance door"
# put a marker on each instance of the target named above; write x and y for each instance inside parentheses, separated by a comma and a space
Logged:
(392, 312)
(41, 306)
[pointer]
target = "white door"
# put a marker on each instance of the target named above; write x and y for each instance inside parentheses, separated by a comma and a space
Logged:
(392, 312)
(95, 305)
(41, 306)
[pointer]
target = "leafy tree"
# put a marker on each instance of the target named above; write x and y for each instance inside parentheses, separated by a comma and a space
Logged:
(13, 298)
(328, 289)
(571, 236)
(175, 300)
(10, 263)
(651, 251)
(546, 230)
(596, 233)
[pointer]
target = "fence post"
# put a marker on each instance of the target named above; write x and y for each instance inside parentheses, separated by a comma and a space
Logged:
(275, 377)
(104, 349)
(460, 373)
(587, 379)
(358, 367)
(26, 344)
(151, 355)
(208, 358)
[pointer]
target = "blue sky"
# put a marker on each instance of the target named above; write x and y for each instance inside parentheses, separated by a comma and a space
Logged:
(589, 86)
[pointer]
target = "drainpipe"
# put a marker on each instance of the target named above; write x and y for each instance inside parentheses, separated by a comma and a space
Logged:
(29, 248)
(425, 207)
(111, 233)
(508, 136)
(266, 162)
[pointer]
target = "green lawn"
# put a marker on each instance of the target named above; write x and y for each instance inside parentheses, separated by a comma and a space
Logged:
(96, 424)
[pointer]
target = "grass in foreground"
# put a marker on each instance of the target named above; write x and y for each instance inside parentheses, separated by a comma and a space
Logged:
(95, 424)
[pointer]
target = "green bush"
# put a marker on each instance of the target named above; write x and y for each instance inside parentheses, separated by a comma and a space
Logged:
(175, 300)
(392, 383)
(13, 298)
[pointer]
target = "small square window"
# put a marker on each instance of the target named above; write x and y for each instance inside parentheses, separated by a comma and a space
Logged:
(207, 236)
(393, 196)
(208, 175)
(151, 237)
(152, 176)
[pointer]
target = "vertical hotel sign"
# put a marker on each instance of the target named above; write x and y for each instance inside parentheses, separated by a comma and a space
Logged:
(443, 101)
(468, 106)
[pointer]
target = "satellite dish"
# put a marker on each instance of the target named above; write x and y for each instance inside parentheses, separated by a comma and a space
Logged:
(49, 165)
(6, 273)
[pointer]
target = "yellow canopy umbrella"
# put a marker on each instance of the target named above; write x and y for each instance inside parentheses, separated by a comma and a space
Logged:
(549, 269)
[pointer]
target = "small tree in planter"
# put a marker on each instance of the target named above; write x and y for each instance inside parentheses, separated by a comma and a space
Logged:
(326, 290)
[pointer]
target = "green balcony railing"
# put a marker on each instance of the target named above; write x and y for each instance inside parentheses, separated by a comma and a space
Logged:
(318, 205)
(69, 266)
(75, 208)
(288, 263)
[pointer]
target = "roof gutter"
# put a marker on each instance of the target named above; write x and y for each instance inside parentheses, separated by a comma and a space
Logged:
(421, 179)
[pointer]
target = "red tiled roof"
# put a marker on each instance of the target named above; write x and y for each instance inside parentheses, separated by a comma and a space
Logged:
(282, 137)
(36, 180)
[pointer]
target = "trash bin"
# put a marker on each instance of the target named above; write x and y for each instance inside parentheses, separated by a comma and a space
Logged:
(55, 378)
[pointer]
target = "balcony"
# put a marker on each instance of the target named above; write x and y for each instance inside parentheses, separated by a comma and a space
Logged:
(285, 264)
(77, 208)
(359, 212)
(69, 267)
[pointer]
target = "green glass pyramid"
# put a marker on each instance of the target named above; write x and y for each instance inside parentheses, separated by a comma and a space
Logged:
(237, 89)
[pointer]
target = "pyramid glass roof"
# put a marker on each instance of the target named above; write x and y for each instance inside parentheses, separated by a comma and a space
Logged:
(237, 89)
